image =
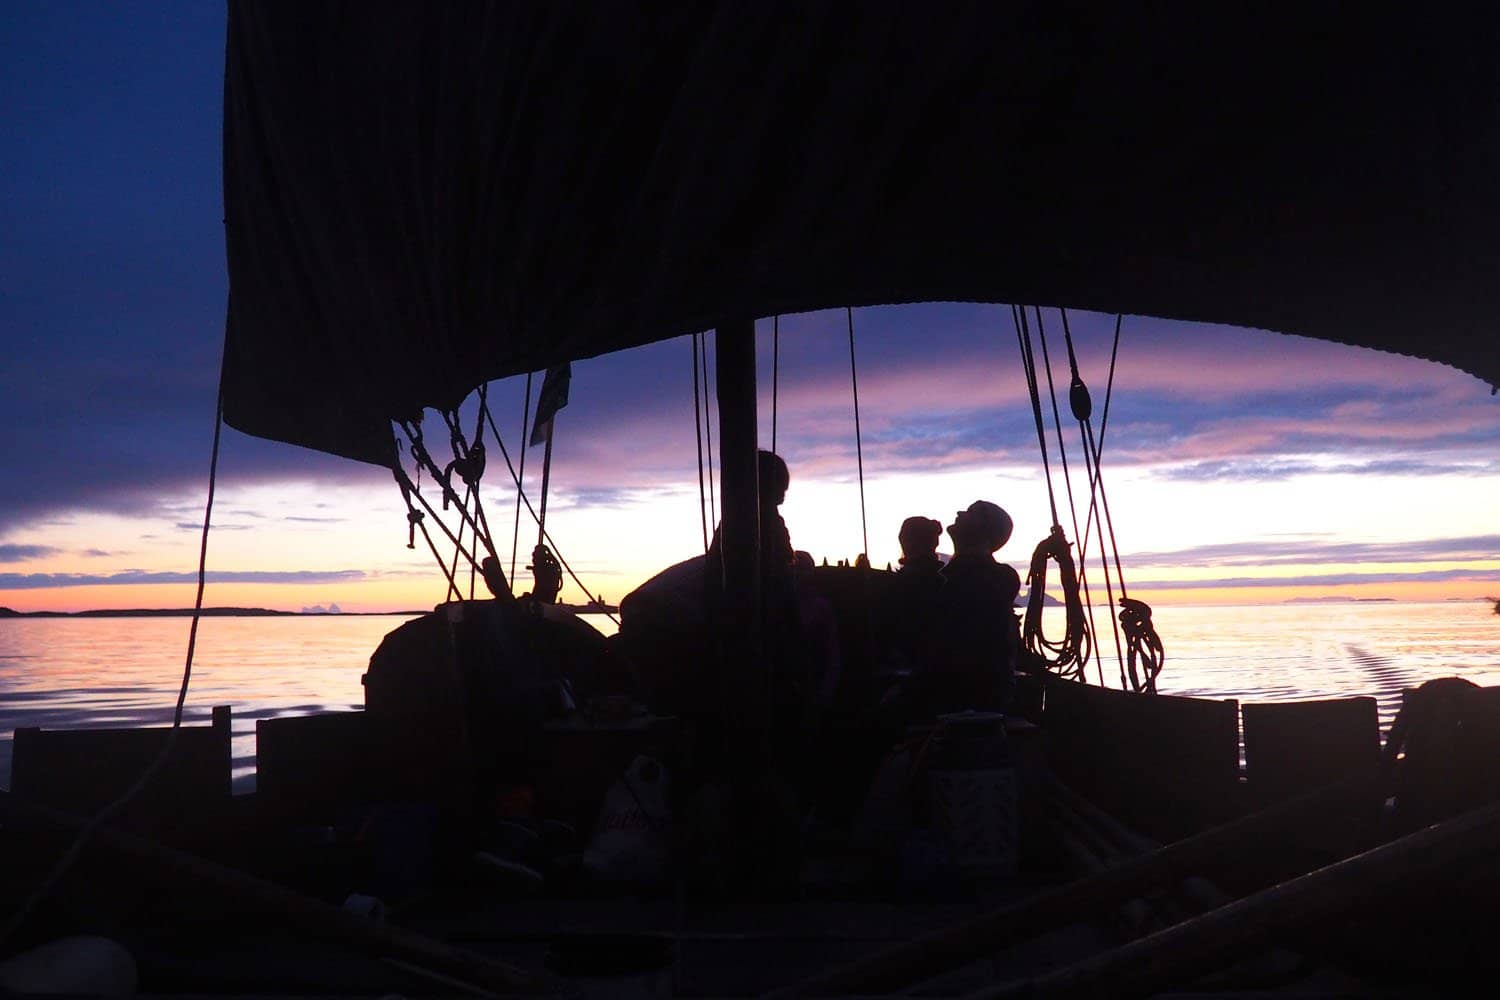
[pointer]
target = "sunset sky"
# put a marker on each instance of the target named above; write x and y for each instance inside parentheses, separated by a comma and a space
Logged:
(1241, 466)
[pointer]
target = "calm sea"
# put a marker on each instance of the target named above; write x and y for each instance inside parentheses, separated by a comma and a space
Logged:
(78, 672)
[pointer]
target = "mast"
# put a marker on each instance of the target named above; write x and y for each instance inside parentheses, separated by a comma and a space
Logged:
(746, 689)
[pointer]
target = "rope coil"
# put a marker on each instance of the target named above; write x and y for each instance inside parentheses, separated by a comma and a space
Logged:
(1069, 656)
(1143, 645)
(1141, 653)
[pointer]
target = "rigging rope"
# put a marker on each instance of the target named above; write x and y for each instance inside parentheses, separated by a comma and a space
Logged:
(1082, 409)
(556, 552)
(416, 519)
(708, 427)
(1028, 366)
(65, 864)
(698, 433)
(1067, 656)
(1145, 654)
(1082, 571)
(516, 531)
(859, 451)
(775, 372)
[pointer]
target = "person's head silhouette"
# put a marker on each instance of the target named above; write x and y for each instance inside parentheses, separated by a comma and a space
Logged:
(919, 539)
(774, 478)
(981, 528)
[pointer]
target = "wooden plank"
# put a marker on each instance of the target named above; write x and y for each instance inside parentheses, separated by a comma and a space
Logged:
(931, 954)
(1179, 954)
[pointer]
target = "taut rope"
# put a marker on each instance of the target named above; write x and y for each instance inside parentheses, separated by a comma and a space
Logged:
(1067, 656)
(859, 451)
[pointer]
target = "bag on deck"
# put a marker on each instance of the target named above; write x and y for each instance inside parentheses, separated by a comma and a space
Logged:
(629, 843)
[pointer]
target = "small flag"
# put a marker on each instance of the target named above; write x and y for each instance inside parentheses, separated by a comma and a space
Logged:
(554, 396)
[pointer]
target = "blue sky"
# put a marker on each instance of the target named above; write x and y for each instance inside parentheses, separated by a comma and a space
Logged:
(1238, 460)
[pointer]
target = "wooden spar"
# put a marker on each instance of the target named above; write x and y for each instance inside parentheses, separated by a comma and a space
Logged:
(541, 521)
(1197, 946)
(950, 947)
(745, 691)
(278, 903)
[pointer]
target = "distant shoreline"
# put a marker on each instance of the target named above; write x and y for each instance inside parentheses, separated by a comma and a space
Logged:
(205, 613)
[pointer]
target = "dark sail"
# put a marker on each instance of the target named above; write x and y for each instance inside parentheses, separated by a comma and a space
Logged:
(420, 197)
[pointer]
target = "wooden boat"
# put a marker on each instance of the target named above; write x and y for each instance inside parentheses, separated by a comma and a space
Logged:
(422, 198)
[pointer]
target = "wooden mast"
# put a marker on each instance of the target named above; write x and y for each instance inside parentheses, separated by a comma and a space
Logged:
(746, 704)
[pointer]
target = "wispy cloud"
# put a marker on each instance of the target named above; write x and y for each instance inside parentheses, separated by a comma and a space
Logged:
(1479, 548)
(607, 497)
(1321, 580)
(940, 387)
(1268, 470)
(13, 553)
(44, 581)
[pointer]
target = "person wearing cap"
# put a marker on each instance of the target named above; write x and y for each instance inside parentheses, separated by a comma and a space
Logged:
(909, 605)
(978, 532)
(982, 632)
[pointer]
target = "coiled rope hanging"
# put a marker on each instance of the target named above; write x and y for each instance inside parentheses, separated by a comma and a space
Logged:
(1067, 656)
(1062, 450)
(1145, 654)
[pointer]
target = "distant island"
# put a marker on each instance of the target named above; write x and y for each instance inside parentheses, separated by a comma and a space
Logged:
(1339, 600)
(188, 613)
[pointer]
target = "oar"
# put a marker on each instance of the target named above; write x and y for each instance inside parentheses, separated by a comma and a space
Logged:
(303, 913)
(951, 947)
(1197, 946)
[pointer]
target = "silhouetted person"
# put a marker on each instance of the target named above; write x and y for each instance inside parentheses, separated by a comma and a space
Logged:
(981, 630)
(775, 540)
(969, 659)
(909, 608)
(919, 538)
(820, 634)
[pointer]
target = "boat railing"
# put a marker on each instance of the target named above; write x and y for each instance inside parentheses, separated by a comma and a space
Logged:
(82, 771)
(1166, 765)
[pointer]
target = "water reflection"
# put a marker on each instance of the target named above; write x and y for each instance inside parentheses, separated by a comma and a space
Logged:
(80, 673)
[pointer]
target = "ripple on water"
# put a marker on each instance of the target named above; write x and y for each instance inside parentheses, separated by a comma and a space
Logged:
(73, 673)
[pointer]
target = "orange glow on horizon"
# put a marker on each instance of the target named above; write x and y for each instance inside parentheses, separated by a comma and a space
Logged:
(419, 594)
